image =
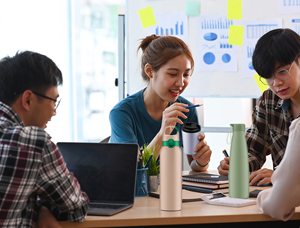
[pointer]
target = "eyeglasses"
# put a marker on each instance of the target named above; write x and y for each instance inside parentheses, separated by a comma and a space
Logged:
(57, 102)
(281, 75)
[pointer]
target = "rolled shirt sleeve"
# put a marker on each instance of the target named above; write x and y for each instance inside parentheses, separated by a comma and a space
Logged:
(58, 186)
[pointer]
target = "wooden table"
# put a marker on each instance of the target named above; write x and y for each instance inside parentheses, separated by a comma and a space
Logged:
(146, 212)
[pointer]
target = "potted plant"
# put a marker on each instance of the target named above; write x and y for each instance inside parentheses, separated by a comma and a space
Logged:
(153, 167)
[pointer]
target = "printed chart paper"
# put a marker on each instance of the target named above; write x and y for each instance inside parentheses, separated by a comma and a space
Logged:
(214, 52)
(288, 6)
(175, 24)
(253, 30)
(295, 25)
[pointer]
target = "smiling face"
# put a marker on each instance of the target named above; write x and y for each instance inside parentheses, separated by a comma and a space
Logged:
(287, 89)
(172, 78)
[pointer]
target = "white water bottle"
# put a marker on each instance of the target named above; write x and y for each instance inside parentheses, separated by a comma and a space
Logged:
(170, 173)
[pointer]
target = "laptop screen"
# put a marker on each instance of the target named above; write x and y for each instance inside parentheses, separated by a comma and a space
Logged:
(105, 171)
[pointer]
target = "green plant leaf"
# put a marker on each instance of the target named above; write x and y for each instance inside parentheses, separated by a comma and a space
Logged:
(153, 168)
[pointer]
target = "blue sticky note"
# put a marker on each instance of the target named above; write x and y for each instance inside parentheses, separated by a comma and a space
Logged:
(192, 8)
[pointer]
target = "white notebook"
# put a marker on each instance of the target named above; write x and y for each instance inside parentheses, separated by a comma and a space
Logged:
(223, 200)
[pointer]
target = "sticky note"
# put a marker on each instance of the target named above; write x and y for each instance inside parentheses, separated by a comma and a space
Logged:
(261, 86)
(192, 8)
(236, 33)
(234, 9)
(147, 17)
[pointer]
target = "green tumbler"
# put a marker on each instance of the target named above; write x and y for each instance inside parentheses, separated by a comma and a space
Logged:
(238, 165)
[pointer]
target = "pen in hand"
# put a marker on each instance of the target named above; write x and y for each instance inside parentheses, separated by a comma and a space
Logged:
(193, 106)
(226, 156)
(225, 153)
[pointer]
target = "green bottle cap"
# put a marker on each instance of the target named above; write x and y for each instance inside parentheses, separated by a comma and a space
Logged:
(238, 127)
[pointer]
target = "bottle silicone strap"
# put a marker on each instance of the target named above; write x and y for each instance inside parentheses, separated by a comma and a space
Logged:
(171, 142)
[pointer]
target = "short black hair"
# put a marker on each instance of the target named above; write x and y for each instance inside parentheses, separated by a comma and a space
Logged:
(27, 71)
(276, 46)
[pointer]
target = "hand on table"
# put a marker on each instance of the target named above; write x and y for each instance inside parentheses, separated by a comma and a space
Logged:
(261, 175)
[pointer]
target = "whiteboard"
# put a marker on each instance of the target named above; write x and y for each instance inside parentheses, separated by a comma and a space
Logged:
(202, 84)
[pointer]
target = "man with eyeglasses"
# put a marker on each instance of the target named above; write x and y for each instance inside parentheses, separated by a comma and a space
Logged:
(31, 165)
(275, 58)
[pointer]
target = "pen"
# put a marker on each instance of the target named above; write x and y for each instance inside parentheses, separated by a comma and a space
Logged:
(193, 106)
(147, 163)
(225, 153)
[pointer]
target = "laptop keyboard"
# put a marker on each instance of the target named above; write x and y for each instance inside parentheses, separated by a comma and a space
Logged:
(110, 206)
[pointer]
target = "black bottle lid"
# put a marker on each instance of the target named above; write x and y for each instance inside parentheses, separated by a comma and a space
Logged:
(191, 127)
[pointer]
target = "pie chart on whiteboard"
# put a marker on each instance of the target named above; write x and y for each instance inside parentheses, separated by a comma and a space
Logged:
(210, 36)
(226, 58)
(209, 58)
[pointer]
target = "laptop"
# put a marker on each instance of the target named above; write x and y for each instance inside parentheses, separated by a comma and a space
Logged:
(106, 173)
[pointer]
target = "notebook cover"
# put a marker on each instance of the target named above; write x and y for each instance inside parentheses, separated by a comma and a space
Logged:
(206, 178)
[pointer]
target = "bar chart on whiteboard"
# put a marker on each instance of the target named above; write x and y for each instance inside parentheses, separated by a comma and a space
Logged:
(175, 24)
(178, 30)
(214, 52)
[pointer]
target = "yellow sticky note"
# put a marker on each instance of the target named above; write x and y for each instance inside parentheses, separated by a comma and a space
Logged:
(261, 86)
(147, 17)
(234, 9)
(236, 34)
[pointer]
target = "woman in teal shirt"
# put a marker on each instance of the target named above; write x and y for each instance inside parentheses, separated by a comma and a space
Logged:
(167, 65)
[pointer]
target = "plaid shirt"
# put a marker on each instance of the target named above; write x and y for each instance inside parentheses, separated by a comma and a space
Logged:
(269, 132)
(31, 166)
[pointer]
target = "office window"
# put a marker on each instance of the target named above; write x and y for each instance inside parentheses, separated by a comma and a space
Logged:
(215, 117)
(95, 66)
(43, 27)
(80, 36)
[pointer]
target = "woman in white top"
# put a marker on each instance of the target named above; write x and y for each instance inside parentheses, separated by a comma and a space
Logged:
(280, 201)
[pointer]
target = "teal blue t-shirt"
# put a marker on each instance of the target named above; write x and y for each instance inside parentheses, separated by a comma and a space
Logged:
(131, 123)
